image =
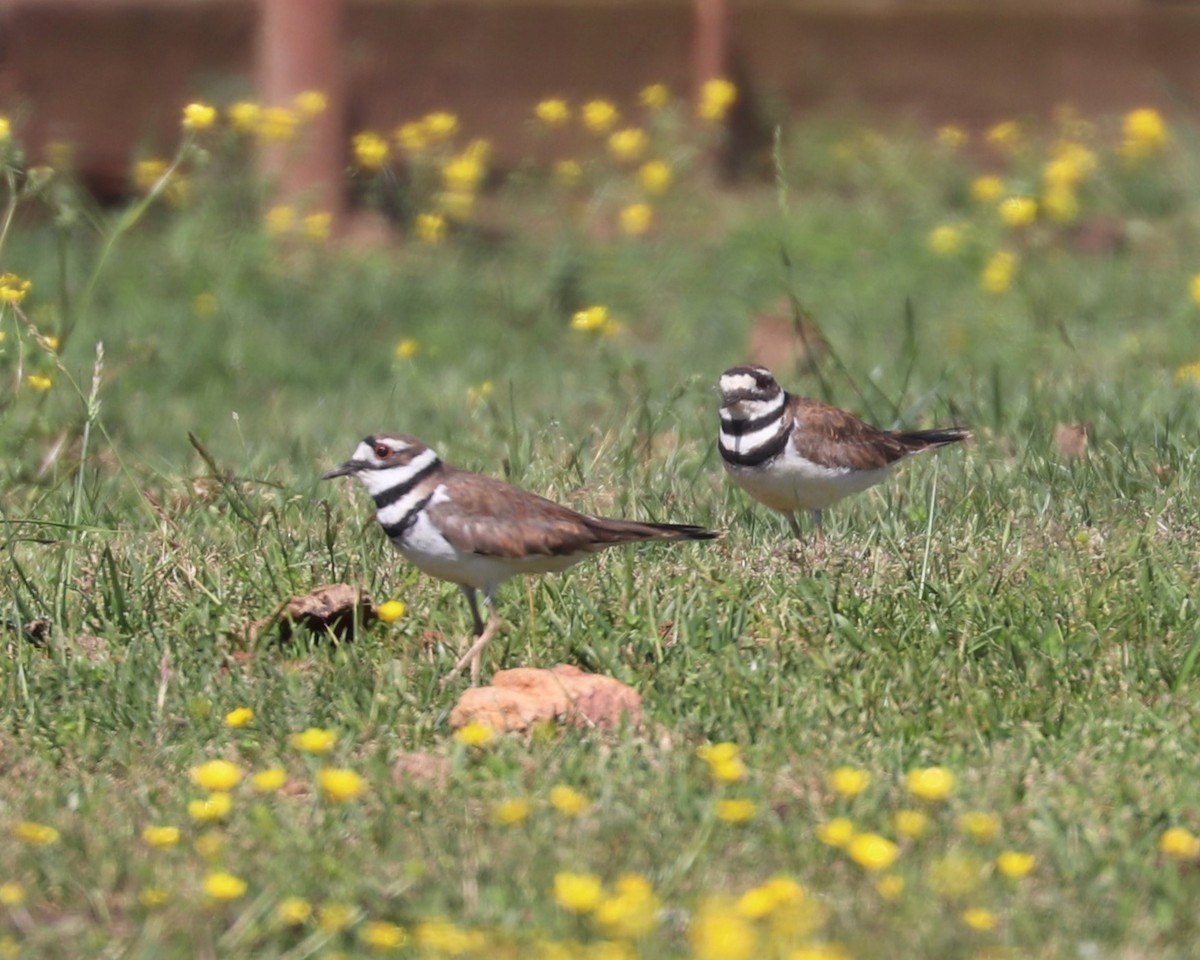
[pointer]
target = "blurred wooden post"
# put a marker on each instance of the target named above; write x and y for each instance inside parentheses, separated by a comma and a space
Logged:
(710, 43)
(300, 48)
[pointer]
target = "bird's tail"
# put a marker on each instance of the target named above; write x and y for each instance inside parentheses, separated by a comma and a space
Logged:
(924, 439)
(613, 531)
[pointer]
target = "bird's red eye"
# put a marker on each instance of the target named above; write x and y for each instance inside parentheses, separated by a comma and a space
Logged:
(382, 451)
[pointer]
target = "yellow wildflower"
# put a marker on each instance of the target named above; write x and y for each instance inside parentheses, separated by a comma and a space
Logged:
(161, 837)
(952, 137)
(277, 124)
(712, 753)
(481, 392)
(412, 136)
(314, 740)
(13, 289)
(871, 851)
(1070, 163)
(849, 781)
(509, 812)
(590, 319)
(1193, 286)
(1188, 373)
(568, 801)
(980, 826)
(1060, 203)
(987, 188)
(475, 734)
(333, 917)
(930, 783)
(439, 937)
(1014, 864)
(199, 116)
(910, 823)
(979, 918)
(38, 382)
(766, 898)
(406, 349)
(381, 935)
(5, 128)
(717, 932)
(836, 832)
(1179, 843)
(214, 807)
(716, 97)
(204, 304)
(946, 239)
(955, 875)
(279, 219)
(269, 780)
(430, 228)
(889, 886)
(632, 910)
(293, 911)
(1018, 211)
(244, 116)
(339, 785)
(628, 145)
(12, 894)
(1005, 137)
(370, 150)
(599, 116)
(391, 610)
(463, 173)
(655, 176)
(217, 776)
(35, 834)
(567, 173)
(310, 103)
(318, 225)
(553, 112)
(1145, 134)
(998, 274)
(209, 844)
(735, 811)
(456, 206)
(220, 885)
(153, 897)
(655, 96)
(732, 770)
(636, 218)
(577, 892)
(147, 173)
(440, 126)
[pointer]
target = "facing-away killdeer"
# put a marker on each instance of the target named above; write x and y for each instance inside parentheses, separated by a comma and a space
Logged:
(477, 531)
(793, 453)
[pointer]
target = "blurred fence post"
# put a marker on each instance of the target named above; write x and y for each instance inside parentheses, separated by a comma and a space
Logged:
(710, 43)
(299, 49)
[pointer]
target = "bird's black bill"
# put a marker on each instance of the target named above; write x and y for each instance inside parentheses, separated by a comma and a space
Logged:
(344, 470)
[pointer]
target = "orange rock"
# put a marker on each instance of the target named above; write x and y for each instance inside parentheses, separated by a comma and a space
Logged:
(517, 699)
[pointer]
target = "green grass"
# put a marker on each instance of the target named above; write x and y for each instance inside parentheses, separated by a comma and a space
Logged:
(1037, 634)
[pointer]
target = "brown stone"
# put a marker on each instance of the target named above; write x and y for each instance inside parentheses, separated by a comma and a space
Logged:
(518, 699)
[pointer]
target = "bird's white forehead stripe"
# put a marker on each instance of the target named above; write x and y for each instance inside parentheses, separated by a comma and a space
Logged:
(737, 381)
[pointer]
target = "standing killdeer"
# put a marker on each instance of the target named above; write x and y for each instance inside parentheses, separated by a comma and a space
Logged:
(792, 453)
(477, 531)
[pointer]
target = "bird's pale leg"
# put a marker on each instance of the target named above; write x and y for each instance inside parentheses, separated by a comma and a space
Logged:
(795, 525)
(483, 636)
(818, 531)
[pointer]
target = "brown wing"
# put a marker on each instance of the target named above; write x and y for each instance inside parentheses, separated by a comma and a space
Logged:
(833, 437)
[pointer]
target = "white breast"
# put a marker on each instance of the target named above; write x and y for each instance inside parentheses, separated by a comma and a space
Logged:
(791, 482)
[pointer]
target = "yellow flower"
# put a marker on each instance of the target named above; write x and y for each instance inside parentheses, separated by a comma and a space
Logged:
(568, 801)
(277, 124)
(636, 218)
(1179, 843)
(889, 886)
(199, 116)
(440, 126)
(35, 834)
(849, 781)
(430, 228)
(204, 304)
(508, 812)
(998, 274)
(12, 894)
(910, 823)
(978, 918)
(5, 128)
(161, 837)
(293, 911)
(209, 844)
(553, 112)
(38, 382)
(599, 116)
(456, 206)
(147, 173)
(1005, 137)
(439, 937)
(279, 219)
(955, 875)
(220, 885)
(1193, 287)
(317, 226)
(235, 718)
(766, 898)
(1188, 373)
(1060, 204)
(310, 103)
(716, 97)
(406, 349)
(836, 832)
(980, 826)
(475, 734)
(13, 288)
(945, 239)
(1069, 164)
(217, 776)
(1014, 864)
(1018, 211)
(872, 852)
(339, 785)
(577, 892)
(215, 807)
(370, 150)
(463, 173)
(930, 783)
(314, 740)
(244, 116)
(391, 610)
(590, 319)
(632, 910)
(987, 188)
(655, 176)
(728, 771)
(655, 96)
(269, 780)
(381, 935)
(412, 136)
(333, 917)
(735, 811)
(484, 390)
(1145, 134)
(717, 932)
(627, 145)
(153, 897)
(567, 173)
(952, 137)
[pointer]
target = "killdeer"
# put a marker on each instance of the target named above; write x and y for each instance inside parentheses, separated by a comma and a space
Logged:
(793, 453)
(477, 531)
